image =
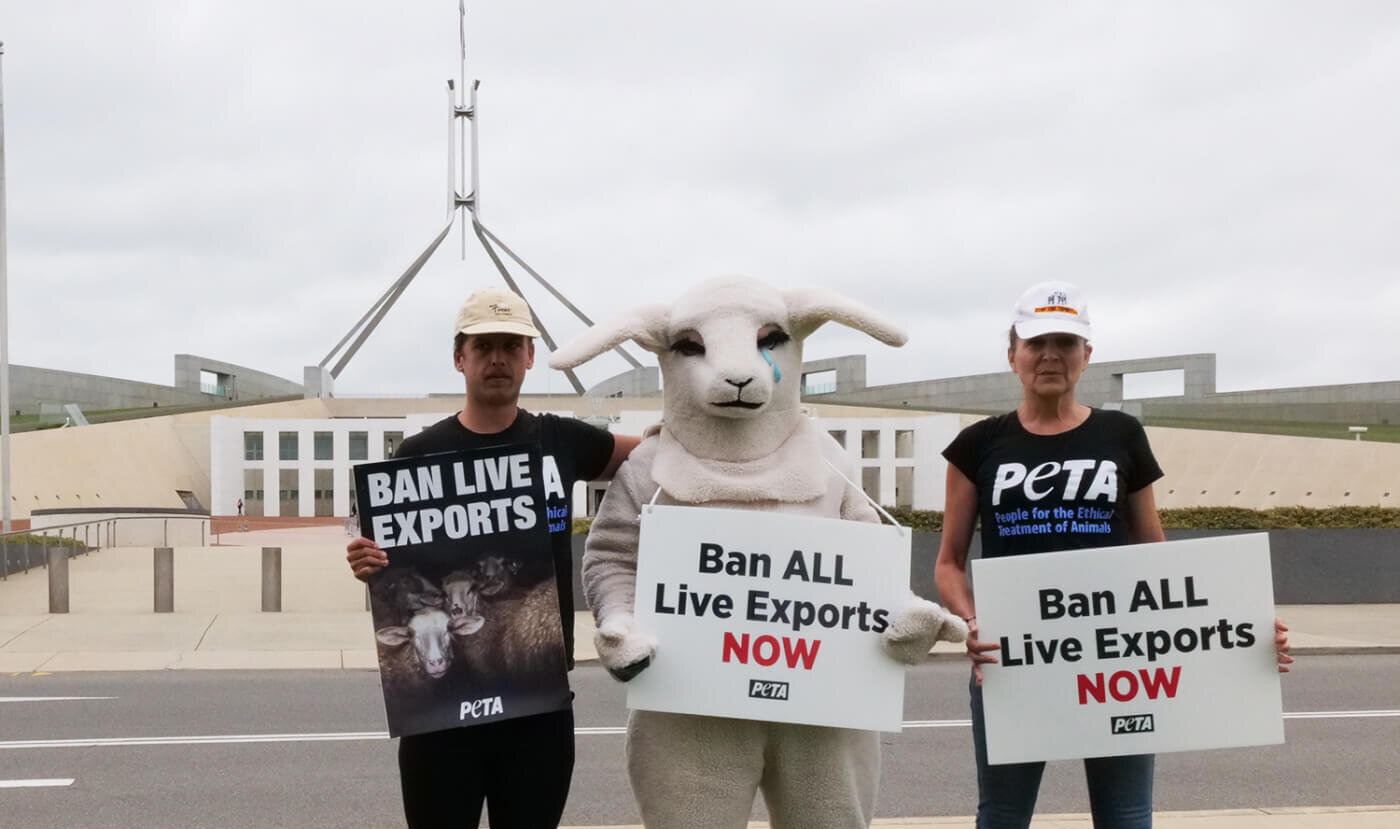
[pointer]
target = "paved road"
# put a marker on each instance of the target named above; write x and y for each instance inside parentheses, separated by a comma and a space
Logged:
(334, 769)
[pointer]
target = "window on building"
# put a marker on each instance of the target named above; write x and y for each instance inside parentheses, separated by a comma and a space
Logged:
(359, 446)
(840, 436)
(191, 502)
(287, 446)
(870, 443)
(904, 486)
(870, 482)
(252, 446)
(904, 443)
(325, 492)
(392, 440)
(288, 491)
(321, 446)
(350, 488)
(253, 492)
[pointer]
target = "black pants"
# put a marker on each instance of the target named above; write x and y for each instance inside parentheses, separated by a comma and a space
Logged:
(520, 768)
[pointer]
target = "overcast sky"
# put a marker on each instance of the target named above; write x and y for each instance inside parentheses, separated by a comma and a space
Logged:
(240, 179)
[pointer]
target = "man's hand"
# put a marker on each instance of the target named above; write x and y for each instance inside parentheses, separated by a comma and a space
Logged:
(365, 558)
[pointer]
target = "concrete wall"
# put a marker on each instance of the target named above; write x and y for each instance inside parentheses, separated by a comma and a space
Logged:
(131, 463)
(31, 387)
(237, 382)
(850, 373)
(1101, 383)
(637, 382)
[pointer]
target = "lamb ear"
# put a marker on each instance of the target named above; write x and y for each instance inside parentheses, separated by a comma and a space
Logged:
(645, 324)
(810, 308)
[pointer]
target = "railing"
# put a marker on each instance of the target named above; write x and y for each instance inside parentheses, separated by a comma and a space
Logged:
(94, 536)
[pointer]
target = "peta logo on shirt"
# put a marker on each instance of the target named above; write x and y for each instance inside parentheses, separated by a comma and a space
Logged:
(1097, 479)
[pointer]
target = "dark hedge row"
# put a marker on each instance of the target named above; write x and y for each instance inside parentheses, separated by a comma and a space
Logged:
(50, 541)
(1204, 518)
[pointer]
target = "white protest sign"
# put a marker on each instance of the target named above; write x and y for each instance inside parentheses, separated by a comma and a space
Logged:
(1130, 650)
(770, 616)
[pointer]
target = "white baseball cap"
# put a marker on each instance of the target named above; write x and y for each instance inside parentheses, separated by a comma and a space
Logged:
(1051, 308)
(495, 311)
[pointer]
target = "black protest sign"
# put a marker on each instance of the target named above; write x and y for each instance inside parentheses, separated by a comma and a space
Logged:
(466, 615)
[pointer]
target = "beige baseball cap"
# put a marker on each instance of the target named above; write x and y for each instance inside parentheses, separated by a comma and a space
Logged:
(495, 311)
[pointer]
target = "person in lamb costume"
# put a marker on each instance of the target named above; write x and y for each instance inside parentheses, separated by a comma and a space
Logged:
(734, 435)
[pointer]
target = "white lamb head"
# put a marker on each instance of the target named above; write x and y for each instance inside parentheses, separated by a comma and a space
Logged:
(730, 351)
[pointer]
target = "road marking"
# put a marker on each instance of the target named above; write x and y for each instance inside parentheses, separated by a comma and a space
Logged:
(213, 739)
(1339, 715)
(937, 723)
(48, 699)
(583, 731)
(35, 784)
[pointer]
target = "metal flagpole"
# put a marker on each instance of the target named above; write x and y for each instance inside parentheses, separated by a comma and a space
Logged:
(4, 319)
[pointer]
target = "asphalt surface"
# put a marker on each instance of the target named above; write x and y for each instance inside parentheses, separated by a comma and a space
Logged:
(306, 749)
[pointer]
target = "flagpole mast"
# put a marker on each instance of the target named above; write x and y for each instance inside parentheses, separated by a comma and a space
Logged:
(4, 320)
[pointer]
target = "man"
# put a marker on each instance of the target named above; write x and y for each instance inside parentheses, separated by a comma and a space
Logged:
(519, 767)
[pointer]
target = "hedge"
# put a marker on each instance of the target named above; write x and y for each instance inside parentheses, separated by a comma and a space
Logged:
(1200, 518)
(50, 541)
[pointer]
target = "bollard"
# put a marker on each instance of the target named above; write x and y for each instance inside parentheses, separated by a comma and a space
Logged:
(165, 580)
(58, 579)
(272, 579)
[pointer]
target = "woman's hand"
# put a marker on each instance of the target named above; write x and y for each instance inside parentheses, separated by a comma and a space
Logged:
(978, 651)
(1281, 645)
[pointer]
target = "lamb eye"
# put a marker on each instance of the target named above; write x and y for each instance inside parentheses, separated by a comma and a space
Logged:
(773, 338)
(688, 348)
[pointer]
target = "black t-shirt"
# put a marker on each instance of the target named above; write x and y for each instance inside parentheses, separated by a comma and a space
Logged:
(575, 450)
(1042, 493)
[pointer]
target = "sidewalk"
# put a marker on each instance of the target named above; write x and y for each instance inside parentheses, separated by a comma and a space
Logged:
(218, 622)
(1353, 817)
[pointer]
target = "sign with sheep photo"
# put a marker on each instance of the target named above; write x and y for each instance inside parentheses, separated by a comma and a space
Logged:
(466, 615)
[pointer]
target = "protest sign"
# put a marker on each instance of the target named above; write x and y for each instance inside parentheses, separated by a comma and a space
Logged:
(770, 616)
(1130, 650)
(466, 615)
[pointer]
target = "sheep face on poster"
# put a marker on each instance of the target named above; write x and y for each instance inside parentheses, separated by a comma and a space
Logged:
(427, 638)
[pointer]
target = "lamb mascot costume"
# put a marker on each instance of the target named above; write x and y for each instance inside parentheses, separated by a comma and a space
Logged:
(734, 435)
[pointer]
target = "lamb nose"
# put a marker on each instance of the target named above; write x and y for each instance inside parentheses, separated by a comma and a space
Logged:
(739, 384)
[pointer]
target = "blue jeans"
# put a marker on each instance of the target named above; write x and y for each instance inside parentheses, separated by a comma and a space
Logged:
(1120, 788)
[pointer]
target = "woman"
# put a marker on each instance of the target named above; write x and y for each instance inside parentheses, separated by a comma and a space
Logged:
(1050, 448)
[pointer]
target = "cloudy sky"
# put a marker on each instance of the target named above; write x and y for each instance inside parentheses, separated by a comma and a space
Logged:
(240, 179)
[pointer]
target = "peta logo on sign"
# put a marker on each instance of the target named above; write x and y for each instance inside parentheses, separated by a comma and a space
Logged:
(765, 689)
(1085, 479)
(1131, 724)
(478, 708)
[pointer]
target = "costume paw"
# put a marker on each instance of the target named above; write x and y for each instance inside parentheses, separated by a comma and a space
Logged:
(917, 627)
(623, 650)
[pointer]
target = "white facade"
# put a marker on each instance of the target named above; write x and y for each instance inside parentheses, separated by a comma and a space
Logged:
(898, 459)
